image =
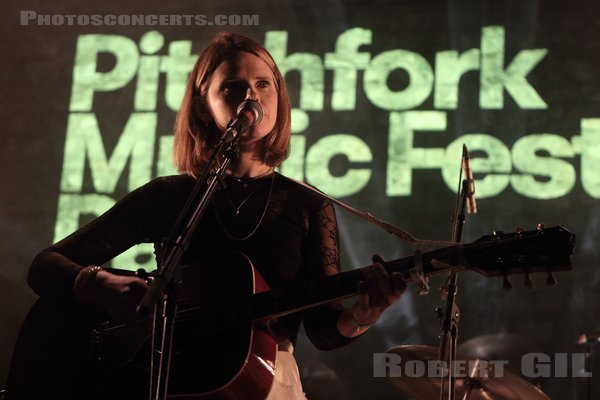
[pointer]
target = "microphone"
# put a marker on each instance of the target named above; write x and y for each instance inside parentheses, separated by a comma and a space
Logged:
(249, 113)
(468, 175)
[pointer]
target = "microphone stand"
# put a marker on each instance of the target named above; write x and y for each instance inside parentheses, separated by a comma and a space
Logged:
(161, 294)
(451, 314)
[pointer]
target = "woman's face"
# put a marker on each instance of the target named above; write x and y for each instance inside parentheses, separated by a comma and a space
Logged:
(246, 76)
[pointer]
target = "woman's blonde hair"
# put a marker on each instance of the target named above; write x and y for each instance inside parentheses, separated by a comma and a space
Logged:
(195, 137)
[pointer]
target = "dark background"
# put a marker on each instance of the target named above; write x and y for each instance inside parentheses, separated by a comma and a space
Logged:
(36, 78)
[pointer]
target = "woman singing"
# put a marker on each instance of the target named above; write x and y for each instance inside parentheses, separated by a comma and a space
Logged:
(287, 232)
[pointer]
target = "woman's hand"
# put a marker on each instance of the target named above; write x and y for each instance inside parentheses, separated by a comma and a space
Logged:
(377, 292)
(117, 295)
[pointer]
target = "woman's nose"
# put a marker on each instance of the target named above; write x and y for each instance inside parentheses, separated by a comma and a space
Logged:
(250, 94)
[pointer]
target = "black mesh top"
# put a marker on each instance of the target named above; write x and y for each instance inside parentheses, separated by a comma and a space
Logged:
(287, 231)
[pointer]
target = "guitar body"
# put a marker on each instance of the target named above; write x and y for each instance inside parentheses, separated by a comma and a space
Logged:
(225, 364)
(49, 359)
(52, 355)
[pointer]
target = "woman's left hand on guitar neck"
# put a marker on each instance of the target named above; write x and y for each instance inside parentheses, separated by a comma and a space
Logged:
(376, 293)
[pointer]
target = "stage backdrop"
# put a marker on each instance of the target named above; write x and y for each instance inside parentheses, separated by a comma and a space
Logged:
(385, 93)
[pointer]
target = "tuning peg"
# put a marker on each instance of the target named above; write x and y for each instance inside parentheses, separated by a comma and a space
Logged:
(528, 282)
(506, 285)
(551, 280)
(540, 227)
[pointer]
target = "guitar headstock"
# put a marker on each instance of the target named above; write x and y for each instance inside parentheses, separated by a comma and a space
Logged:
(522, 252)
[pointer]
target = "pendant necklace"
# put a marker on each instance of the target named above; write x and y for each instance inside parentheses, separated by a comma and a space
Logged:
(237, 209)
(262, 216)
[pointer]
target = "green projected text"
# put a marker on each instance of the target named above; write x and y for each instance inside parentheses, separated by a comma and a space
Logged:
(539, 165)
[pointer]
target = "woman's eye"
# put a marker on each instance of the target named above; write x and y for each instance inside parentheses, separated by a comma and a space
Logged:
(231, 86)
(263, 84)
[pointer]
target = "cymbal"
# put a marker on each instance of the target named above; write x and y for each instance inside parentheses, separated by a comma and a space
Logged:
(498, 346)
(478, 378)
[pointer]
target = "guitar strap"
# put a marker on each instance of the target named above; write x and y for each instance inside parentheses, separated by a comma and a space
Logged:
(389, 228)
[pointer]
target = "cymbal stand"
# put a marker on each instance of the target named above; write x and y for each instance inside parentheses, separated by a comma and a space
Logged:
(471, 383)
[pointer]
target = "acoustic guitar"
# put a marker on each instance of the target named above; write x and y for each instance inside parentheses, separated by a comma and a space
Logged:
(223, 347)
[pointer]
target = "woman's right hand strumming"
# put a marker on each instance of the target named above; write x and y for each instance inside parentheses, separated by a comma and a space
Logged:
(117, 295)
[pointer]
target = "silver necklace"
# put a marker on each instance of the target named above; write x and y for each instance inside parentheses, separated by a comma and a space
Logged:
(237, 209)
(245, 181)
(239, 239)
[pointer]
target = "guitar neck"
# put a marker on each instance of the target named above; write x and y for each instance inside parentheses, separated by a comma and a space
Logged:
(544, 250)
(312, 293)
(305, 295)
(323, 290)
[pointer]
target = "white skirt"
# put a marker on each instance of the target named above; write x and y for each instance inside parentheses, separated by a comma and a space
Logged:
(286, 382)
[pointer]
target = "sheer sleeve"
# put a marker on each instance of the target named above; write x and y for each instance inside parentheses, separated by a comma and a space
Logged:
(53, 271)
(322, 257)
